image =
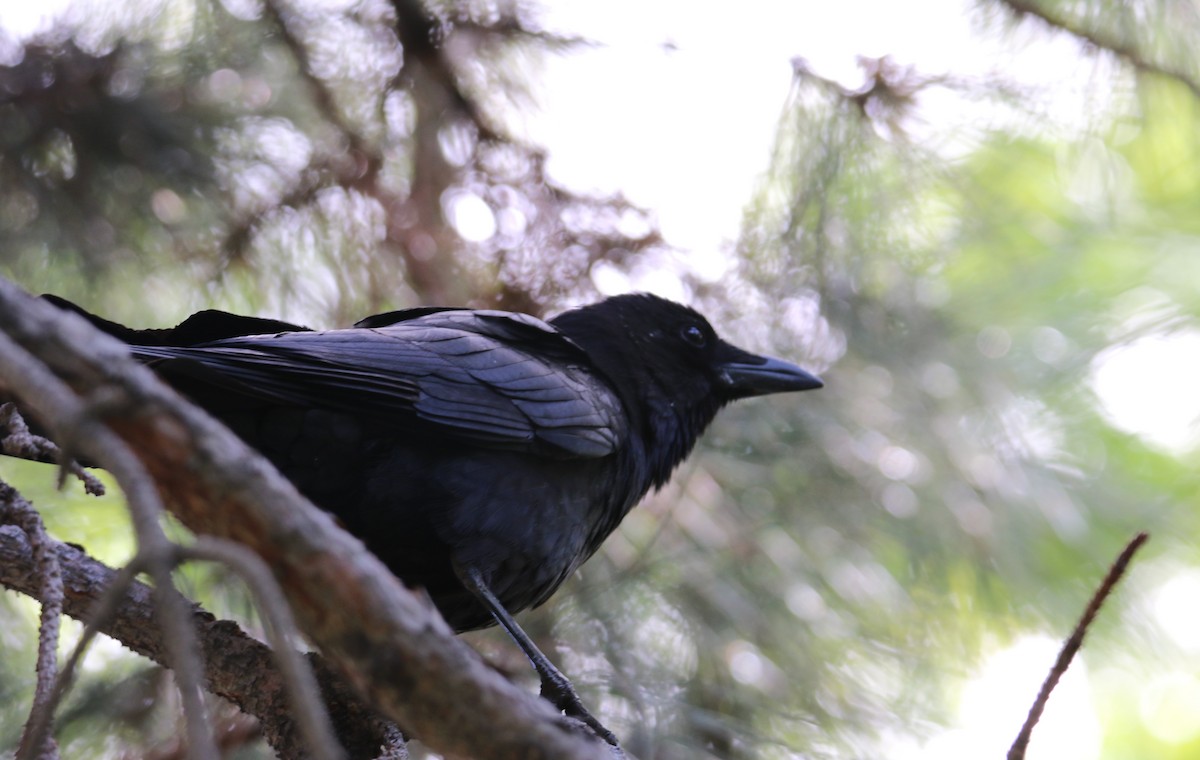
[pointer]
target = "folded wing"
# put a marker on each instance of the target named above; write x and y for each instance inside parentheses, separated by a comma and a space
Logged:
(490, 378)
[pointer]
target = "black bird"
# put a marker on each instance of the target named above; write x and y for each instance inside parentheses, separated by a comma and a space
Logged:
(481, 455)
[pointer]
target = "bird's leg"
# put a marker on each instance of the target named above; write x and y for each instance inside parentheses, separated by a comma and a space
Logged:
(555, 686)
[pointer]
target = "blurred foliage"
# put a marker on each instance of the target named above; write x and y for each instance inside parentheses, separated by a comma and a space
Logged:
(826, 577)
(228, 145)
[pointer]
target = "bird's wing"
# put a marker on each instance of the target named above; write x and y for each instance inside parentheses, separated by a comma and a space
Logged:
(492, 378)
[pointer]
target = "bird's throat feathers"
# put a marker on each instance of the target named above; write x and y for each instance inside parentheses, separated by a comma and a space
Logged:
(674, 432)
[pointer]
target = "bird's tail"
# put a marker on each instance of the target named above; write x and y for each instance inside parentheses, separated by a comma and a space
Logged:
(198, 329)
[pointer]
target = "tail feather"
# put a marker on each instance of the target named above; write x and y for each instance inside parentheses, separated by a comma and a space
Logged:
(202, 327)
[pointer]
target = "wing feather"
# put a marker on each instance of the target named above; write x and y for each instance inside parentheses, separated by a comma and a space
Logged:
(491, 378)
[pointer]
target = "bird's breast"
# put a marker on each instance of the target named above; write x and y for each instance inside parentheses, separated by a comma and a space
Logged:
(525, 522)
(422, 505)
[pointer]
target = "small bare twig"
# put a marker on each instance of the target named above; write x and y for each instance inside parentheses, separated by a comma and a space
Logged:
(21, 513)
(302, 688)
(1072, 644)
(19, 441)
(105, 608)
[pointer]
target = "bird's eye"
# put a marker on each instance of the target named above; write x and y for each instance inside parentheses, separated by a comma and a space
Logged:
(693, 336)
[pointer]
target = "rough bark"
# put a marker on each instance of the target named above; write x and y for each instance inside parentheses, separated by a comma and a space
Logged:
(236, 666)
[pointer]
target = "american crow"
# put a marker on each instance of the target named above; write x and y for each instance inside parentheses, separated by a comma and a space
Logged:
(482, 455)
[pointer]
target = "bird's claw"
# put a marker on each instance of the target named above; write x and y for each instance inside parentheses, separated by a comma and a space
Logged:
(563, 696)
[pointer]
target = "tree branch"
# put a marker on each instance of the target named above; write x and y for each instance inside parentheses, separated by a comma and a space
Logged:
(1126, 51)
(19, 441)
(50, 593)
(237, 667)
(1073, 643)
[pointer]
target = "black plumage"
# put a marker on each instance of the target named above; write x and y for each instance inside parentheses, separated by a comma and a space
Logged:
(482, 455)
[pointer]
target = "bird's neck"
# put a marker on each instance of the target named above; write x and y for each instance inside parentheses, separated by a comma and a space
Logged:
(671, 433)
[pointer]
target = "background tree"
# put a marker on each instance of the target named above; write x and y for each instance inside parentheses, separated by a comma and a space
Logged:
(993, 271)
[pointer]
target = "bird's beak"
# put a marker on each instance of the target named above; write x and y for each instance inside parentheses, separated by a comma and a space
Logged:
(744, 374)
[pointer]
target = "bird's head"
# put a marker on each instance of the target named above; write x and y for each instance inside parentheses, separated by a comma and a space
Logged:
(670, 368)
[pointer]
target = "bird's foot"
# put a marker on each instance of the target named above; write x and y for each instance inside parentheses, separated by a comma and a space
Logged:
(560, 693)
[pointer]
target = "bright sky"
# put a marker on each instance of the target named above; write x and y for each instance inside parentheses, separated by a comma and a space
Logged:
(1147, 390)
(691, 95)
(677, 110)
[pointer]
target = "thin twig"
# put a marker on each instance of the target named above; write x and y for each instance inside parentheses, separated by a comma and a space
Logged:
(20, 441)
(303, 692)
(105, 608)
(22, 514)
(1072, 644)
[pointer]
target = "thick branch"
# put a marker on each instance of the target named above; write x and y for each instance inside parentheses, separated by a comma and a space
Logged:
(236, 666)
(390, 643)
